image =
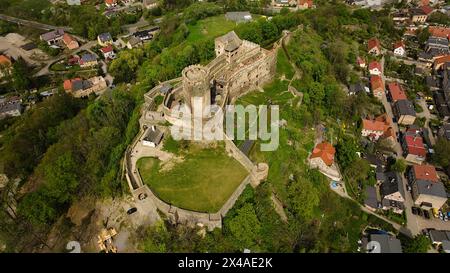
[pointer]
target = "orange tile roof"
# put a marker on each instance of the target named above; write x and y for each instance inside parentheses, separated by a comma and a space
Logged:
(325, 151)
(396, 91)
(376, 83)
(442, 60)
(381, 123)
(443, 32)
(399, 44)
(4, 60)
(375, 64)
(425, 172)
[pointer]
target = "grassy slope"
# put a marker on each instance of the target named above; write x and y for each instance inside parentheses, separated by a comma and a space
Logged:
(209, 28)
(202, 182)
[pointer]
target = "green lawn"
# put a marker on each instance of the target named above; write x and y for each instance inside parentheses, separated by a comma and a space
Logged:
(203, 181)
(210, 28)
(283, 65)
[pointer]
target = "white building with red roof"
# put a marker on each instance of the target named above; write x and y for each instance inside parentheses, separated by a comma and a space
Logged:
(400, 49)
(375, 68)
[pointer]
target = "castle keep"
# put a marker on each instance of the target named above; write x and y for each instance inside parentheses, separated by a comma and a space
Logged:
(239, 66)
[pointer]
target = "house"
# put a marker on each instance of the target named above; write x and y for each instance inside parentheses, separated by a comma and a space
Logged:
(371, 201)
(52, 37)
(404, 112)
(418, 15)
(383, 243)
(356, 88)
(88, 60)
(392, 193)
(427, 10)
(381, 126)
(441, 32)
(437, 47)
(82, 88)
(150, 4)
(399, 48)
(238, 16)
(143, 35)
(5, 65)
(305, 4)
(73, 60)
(10, 107)
(375, 68)
(111, 3)
(377, 86)
(413, 149)
(427, 194)
(374, 46)
(361, 62)
(108, 52)
(422, 172)
(153, 137)
(104, 39)
(322, 158)
(396, 92)
(134, 42)
(438, 237)
(439, 62)
(70, 42)
(73, 2)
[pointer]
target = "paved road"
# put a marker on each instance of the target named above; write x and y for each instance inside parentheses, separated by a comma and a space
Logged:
(427, 115)
(30, 23)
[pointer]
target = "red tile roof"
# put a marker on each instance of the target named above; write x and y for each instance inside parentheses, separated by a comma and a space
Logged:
(425, 172)
(396, 91)
(309, 2)
(376, 82)
(426, 9)
(380, 123)
(415, 145)
(375, 64)
(68, 83)
(399, 44)
(325, 151)
(374, 42)
(107, 49)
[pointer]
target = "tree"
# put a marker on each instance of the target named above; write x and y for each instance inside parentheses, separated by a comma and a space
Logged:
(20, 75)
(399, 166)
(441, 152)
(346, 150)
(304, 198)
(419, 244)
(245, 226)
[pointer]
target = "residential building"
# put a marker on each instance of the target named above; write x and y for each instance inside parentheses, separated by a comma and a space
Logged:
(392, 193)
(73, 2)
(437, 47)
(238, 16)
(52, 37)
(404, 112)
(143, 35)
(322, 158)
(82, 88)
(371, 201)
(413, 148)
(111, 3)
(104, 39)
(374, 46)
(361, 62)
(10, 107)
(418, 15)
(396, 92)
(381, 126)
(150, 4)
(375, 68)
(108, 52)
(152, 137)
(422, 172)
(442, 32)
(134, 42)
(439, 62)
(70, 42)
(88, 60)
(437, 237)
(427, 194)
(400, 49)
(387, 244)
(377, 86)
(5, 65)
(357, 88)
(305, 4)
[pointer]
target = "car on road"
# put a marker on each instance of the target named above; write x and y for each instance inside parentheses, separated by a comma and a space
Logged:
(426, 214)
(415, 210)
(408, 188)
(131, 211)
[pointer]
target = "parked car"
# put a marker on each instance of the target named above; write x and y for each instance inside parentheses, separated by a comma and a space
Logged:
(426, 214)
(435, 212)
(445, 218)
(419, 211)
(415, 210)
(131, 211)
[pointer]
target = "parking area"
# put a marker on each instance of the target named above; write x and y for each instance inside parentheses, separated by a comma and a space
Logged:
(11, 45)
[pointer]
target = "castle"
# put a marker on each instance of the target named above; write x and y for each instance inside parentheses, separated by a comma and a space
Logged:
(239, 66)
